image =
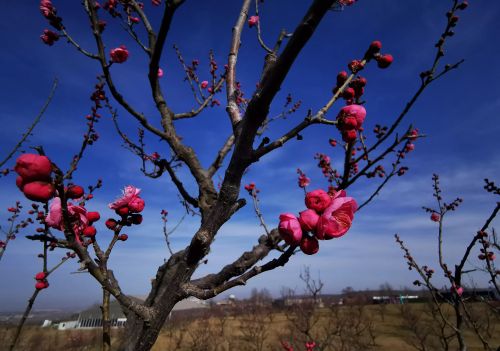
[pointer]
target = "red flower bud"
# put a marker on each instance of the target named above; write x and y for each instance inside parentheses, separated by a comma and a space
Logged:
(123, 237)
(39, 191)
(341, 78)
(111, 223)
(349, 123)
(74, 192)
(89, 231)
(136, 218)
(375, 47)
(122, 211)
(93, 216)
(42, 285)
(355, 66)
(308, 220)
(309, 246)
(384, 61)
(349, 135)
(348, 93)
(119, 55)
(435, 217)
(40, 276)
(33, 167)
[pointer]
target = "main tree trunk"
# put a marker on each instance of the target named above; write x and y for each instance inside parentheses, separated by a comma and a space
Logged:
(141, 336)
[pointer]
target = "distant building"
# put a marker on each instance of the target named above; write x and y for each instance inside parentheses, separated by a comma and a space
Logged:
(67, 325)
(298, 300)
(92, 317)
(397, 299)
(230, 301)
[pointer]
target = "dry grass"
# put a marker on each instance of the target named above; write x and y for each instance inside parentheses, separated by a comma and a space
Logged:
(392, 328)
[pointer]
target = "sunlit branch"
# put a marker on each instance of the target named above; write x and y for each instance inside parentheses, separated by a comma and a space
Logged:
(232, 107)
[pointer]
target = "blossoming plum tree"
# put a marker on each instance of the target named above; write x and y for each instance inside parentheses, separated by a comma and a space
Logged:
(329, 212)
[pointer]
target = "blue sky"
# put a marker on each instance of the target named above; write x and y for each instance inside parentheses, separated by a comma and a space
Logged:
(459, 114)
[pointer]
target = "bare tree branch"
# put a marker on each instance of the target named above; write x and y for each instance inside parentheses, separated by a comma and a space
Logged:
(232, 107)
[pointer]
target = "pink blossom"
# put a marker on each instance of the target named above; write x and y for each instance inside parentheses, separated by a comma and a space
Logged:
(337, 218)
(156, 2)
(458, 290)
(136, 205)
(253, 20)
(318, 200)
(204, 84)
(356, 111)
(160, 73)
(290, 229)
(119, 55)
(129, 199)
(77, 214)
(308, 220)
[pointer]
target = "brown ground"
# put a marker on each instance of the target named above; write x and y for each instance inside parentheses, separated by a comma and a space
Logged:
(353, 328)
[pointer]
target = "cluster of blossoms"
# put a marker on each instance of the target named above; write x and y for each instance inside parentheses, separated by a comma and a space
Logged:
(35, 182)
(129, 203)
(327, 216)
(373, 52)
(485, 253)
(41, 281)
(34, 178)
(252, 189)
(128, 206)
(383, 60)
(80, 220)
(303, 180)
(48, 11)
(354, 90)
(350, 120)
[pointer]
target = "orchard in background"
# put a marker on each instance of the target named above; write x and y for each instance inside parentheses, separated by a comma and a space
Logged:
(63, 208)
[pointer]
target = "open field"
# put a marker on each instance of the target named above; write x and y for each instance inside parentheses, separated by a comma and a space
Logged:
(357, 327)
